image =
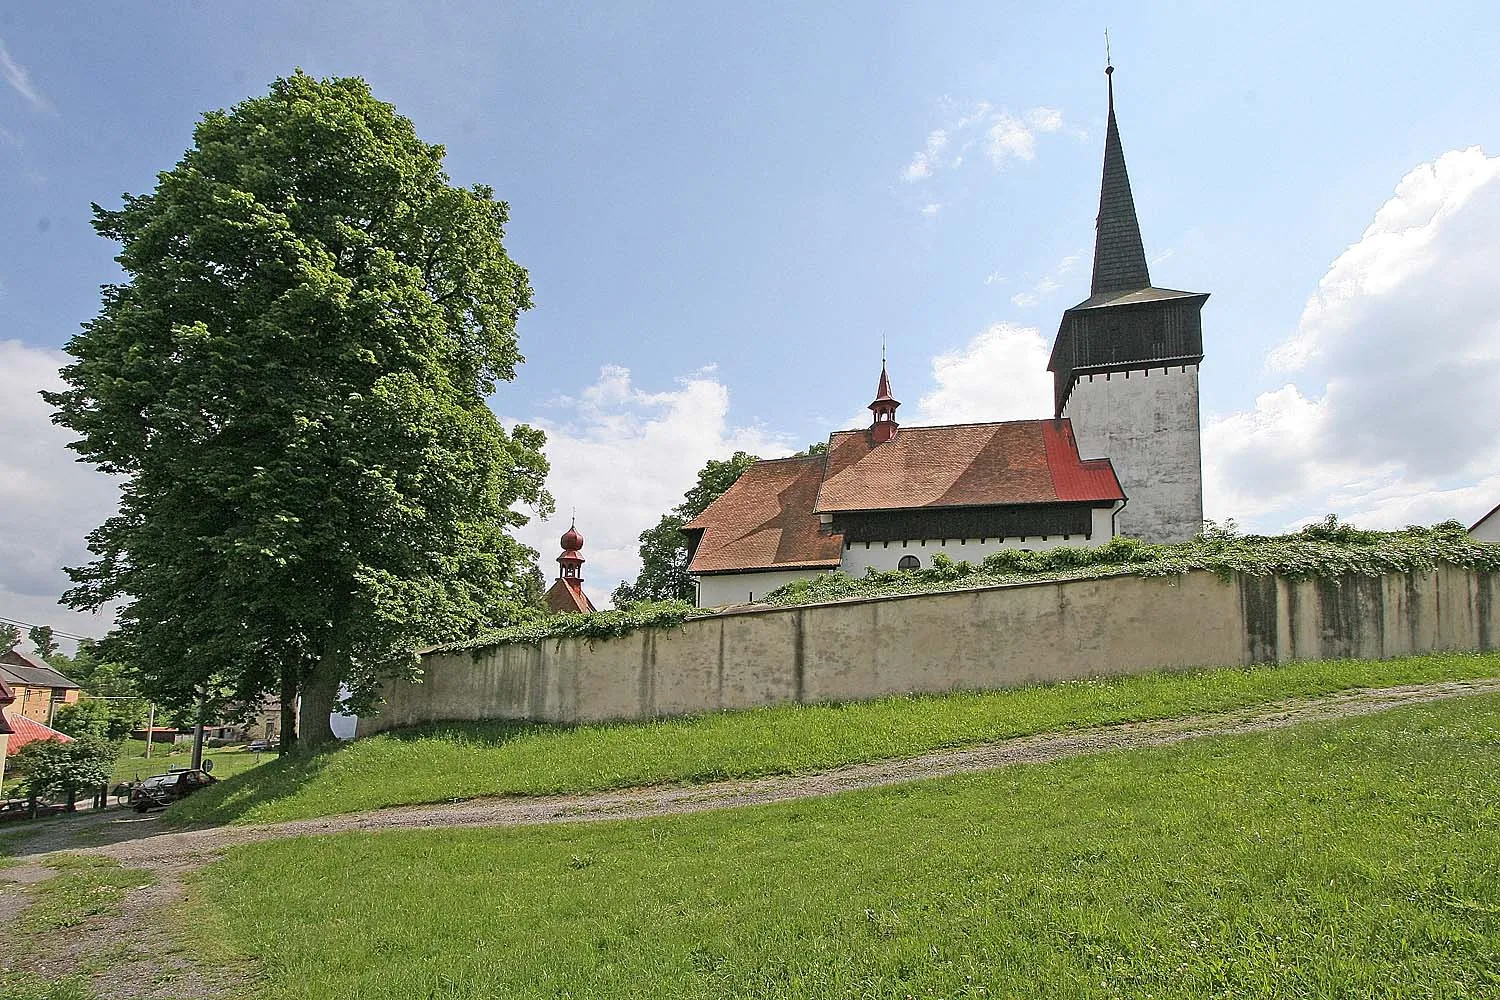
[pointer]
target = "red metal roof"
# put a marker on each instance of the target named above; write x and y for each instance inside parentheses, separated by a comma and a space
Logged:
(1074, 478)
(24, 730)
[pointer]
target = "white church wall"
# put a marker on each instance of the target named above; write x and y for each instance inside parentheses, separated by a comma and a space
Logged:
(720, 589)
(862, 556)
(1488, 528)
(1146, 424)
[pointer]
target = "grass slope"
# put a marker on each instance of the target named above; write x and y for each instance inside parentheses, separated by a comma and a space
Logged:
(1350, 859)
(439, 763)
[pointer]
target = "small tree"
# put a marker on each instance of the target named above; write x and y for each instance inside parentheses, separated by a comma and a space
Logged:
(41, 638)
(9, 636)
(85, 717)
(98, 717)
(54, 767)
(664, 548)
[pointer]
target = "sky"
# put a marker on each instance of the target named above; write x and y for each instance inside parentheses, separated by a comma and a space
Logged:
(725, 212)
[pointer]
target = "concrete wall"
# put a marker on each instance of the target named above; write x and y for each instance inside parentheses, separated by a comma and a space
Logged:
(862, 556)
(1146, 423)
(966, 640)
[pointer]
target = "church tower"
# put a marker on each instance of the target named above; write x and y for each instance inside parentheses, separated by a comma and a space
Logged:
(1125, 369)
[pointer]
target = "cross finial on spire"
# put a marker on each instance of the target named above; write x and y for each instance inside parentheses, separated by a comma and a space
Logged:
(1109, 73)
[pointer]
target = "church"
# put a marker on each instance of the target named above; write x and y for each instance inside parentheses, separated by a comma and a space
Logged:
(1120, 455)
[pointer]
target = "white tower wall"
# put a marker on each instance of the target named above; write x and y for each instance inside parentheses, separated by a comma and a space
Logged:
(1146, 423)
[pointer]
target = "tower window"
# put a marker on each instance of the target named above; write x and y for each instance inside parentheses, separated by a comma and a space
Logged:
(909, 562)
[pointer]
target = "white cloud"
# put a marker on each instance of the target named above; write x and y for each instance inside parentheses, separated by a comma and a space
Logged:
(48, 501)
(624, 456)
(1014, 138)
(932, 208)
(1007, 136)
(1001, 374)
(20, 80)
(926, 159)
(1047, 283)
(1391, 416)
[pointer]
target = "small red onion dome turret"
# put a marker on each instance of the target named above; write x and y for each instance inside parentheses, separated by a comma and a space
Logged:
(572, 541)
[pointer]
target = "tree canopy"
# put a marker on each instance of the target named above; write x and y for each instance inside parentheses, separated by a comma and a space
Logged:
(664, 548)
(291, 385)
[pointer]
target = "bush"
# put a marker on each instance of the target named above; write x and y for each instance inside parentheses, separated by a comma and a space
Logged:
(53, 767)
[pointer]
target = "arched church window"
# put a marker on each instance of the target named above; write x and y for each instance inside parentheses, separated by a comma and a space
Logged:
(909, 562)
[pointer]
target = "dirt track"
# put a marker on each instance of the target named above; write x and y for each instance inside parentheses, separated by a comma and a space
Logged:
(143, 842)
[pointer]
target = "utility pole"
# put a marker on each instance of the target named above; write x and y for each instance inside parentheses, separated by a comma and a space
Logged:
(150, 729)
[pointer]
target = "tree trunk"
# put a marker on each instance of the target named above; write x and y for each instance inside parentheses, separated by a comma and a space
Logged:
(198, 736)
(319, 692)
(289, 685)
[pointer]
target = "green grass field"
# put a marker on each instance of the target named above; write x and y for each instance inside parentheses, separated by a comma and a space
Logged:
(228, 761)
(1351, 859)
(454, 761)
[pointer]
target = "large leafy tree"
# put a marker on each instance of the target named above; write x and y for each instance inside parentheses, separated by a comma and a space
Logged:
(664, 548)
(291, 384)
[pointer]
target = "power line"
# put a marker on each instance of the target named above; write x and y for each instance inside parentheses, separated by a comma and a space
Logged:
(59, 634)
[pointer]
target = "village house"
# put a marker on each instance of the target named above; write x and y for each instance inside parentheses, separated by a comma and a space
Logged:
(17, 730)
(1121, 453)
(39, 690)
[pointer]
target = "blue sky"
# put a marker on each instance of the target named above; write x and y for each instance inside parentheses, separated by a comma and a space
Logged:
(724, 211)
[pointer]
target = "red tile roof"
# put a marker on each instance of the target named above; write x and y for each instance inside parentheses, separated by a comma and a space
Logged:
(963, 465)
(766, 521)
(24, 730)
(769, 518)
(568, 598)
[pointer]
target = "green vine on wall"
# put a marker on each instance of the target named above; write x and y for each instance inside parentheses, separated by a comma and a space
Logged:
(1326, 549)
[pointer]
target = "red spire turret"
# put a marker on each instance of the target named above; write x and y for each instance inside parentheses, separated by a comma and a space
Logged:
(884, 426)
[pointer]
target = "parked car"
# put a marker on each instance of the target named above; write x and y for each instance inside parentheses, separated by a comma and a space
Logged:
(263, 746)
(162, 790)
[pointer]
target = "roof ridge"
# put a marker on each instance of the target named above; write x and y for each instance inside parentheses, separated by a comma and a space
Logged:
(906, 428)
(786, 458)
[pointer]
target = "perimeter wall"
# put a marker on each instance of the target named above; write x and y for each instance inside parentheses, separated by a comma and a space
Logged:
(965, 640)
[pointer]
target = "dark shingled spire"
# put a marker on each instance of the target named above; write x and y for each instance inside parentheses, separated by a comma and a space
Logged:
(1119, 257)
